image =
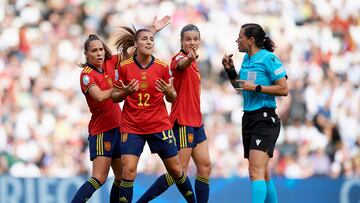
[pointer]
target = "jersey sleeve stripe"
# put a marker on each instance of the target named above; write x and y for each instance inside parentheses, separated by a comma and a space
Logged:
(160, 62)
(89, 87)
(130, 60)
(87, 70)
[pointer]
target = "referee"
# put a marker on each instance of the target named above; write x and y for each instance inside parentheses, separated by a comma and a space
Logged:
(261, 78)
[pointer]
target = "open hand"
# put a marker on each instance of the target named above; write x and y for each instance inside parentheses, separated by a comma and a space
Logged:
(166, 88)
(246, 85)
(132, 87)
(160, 24)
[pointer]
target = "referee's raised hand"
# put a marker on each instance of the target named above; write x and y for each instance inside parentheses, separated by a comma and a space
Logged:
(227, 61)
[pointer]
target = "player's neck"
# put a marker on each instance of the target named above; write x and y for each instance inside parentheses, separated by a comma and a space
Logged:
(97, 67)
(143, 60)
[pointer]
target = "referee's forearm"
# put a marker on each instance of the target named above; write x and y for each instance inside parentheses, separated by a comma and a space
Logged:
(235, 83)
(275, 90)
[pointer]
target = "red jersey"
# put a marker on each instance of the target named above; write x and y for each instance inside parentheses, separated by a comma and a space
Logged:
(144, 112)
(106, 115)
(186, 109)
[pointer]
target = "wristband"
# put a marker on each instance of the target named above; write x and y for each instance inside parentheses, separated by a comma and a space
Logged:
(258, 88)
(231, 73)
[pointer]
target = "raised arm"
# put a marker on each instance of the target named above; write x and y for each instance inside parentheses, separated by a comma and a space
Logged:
(229, 68)
(160, 24)
(186, 61)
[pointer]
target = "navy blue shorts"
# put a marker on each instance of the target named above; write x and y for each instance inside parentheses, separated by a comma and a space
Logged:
(162, 143)
(105, 144)
(187, 136)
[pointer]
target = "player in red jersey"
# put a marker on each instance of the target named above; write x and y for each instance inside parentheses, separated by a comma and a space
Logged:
(186, 118)
(104, 136)
(96, 82)
(144, 80)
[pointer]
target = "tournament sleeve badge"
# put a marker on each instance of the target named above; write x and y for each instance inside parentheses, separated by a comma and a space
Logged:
(85, 80)
(116, 75)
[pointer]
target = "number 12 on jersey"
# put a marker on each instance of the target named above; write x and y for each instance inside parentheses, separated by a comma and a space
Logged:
(144, 99)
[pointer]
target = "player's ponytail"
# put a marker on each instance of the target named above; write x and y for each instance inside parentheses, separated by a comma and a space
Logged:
(126, 40)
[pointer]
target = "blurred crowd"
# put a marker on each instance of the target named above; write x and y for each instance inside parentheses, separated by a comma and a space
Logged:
(44, 116)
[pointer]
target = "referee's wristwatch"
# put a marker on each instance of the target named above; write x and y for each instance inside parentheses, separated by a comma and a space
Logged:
(258, 88)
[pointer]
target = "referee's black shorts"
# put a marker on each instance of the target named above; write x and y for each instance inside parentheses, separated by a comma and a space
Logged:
(260, 130)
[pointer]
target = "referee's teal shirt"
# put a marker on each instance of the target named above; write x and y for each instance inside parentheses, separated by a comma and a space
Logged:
(262, 68)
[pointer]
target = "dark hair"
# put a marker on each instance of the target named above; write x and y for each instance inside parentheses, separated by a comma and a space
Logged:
(257, 32)
(127, 39)
(94, 37)
(188, 27)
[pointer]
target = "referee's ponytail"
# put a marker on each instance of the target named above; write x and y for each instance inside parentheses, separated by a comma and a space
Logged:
(257, 32)
(268, 44)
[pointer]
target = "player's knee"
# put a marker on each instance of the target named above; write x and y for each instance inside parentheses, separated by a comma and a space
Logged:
(129, 173)
(256, 172)
(204, 169)
(184, 166)
(101, 179)
(175, 172)
(118, 175)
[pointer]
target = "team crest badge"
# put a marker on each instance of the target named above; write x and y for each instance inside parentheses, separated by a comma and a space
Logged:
(86, 80)
(144, 86)
(109, 81)
(191, 138)
(107, 146)
(124, 137)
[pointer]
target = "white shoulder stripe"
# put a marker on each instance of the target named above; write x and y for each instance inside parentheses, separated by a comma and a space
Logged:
(279, 70)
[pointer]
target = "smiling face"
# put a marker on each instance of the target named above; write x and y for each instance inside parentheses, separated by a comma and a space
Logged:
(95, 53)
(190, 40)
(243, 42)
(145, 43)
